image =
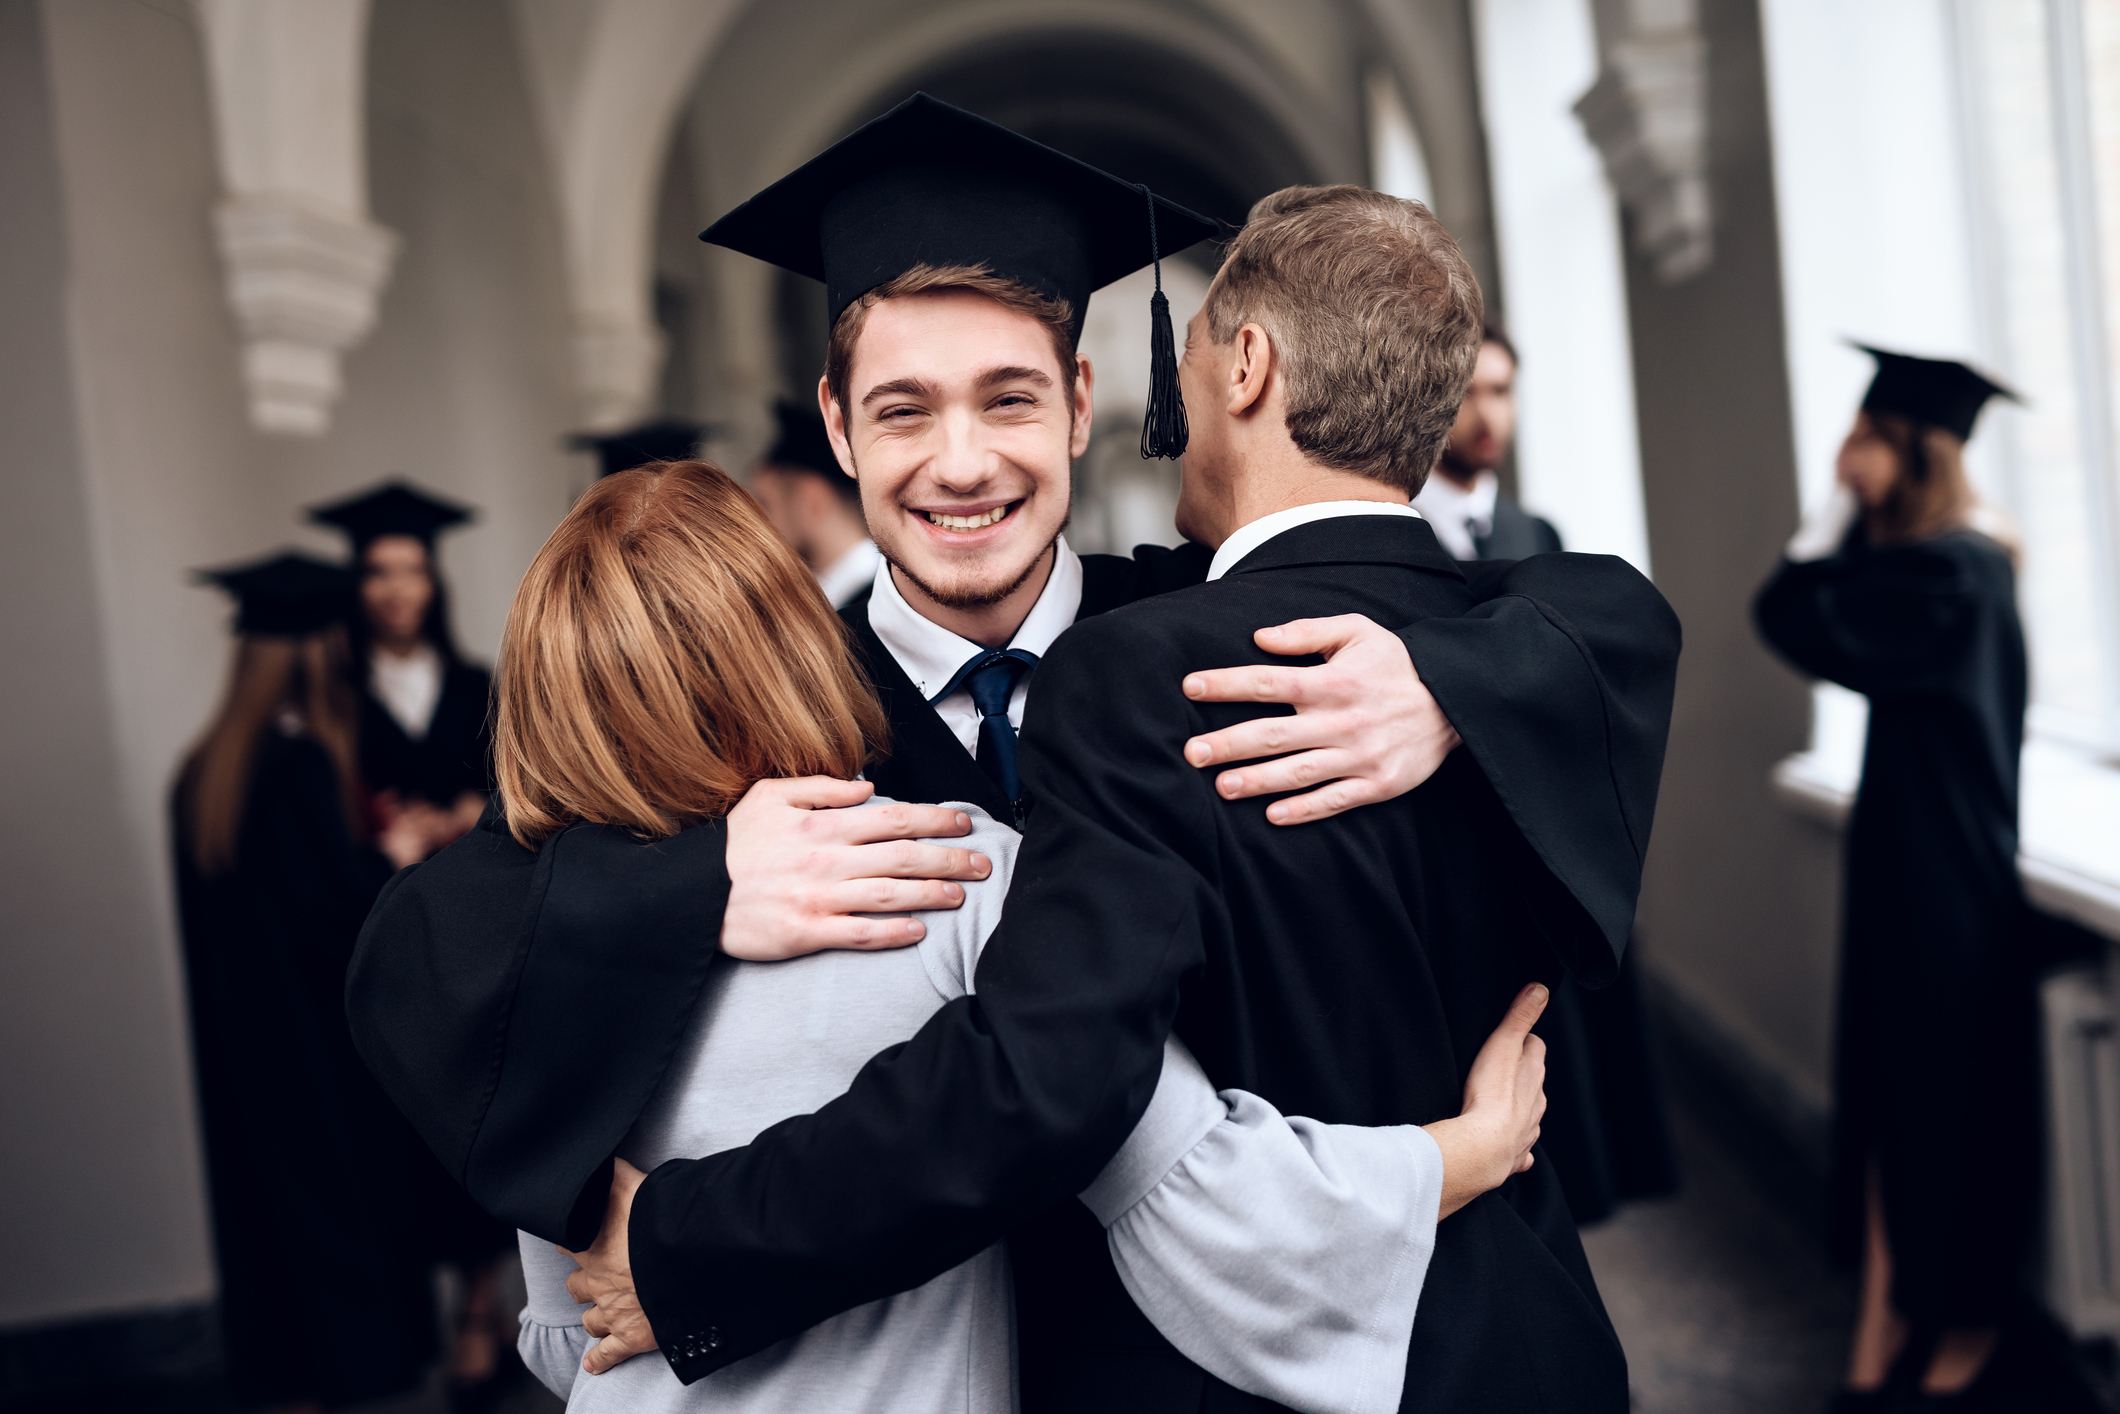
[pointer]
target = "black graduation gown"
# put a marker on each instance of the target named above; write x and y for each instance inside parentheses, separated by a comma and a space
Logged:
(1606, 1131)
(456, 755)
(472, 1019)
(1935, 1066)
(321, 1295)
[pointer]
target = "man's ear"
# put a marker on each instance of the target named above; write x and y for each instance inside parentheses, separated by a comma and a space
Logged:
(1085, 402)
(1250, 369)
(835, 427)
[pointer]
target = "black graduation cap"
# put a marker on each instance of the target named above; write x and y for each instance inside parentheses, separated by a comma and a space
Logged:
(1934, 392)
(667, 439)
(291, 593)
(930, 184)
(802, 441)
(394, 508)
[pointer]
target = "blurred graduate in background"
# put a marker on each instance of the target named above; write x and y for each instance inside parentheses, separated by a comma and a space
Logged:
(426, 748)
(276, 870)
(425, 759)
(1606, 1128)
(1890, 591)
(816, 505)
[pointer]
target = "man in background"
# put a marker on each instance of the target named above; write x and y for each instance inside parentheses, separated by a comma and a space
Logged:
(816, 506)
(1463, 500)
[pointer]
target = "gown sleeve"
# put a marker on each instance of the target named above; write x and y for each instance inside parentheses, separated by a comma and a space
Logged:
(1560, 681)
(1283, 1256)
(1877, 621)
(553, 1340)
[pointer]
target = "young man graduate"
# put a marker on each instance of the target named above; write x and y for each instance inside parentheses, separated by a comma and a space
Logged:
(943, 240)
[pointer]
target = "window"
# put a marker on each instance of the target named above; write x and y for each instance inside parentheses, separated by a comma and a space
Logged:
(2040, 89)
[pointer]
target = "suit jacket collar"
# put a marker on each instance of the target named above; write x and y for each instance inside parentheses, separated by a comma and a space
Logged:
(1353, 540)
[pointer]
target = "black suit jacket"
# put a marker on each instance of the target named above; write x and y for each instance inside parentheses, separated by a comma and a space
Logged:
(1516, 534)
(480, 972)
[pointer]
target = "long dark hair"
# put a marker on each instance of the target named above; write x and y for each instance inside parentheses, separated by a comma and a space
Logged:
(270, 674)
(435, 627)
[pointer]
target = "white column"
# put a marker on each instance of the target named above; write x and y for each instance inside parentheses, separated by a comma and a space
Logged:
(304, 263)
(1557, 226)
(610, 78)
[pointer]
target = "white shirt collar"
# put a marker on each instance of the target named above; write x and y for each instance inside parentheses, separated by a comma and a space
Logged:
(1250, 537)
(409, 687)
(931, 654)
(1459, 513)
(848, 575)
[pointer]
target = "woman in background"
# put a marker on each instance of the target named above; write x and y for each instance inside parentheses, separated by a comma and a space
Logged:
(320, 1305)
(426, 744)
(426, 750)
(1895, 595)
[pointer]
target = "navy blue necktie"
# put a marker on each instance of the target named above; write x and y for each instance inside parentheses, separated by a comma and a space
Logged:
(991, 678)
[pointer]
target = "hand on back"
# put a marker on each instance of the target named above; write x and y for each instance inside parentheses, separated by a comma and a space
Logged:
(1366, 729)
(802, 867)
(1505, 1098)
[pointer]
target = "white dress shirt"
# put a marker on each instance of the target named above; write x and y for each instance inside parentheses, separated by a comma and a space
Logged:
(1250, 537)
(931, 654)
(408, 686)
(1460, 513)
(848, 575)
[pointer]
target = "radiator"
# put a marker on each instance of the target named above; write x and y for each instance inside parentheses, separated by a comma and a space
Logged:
(2083, 1152)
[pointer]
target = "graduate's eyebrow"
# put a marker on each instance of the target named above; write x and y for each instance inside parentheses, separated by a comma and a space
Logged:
(900, 388)
(921, 388)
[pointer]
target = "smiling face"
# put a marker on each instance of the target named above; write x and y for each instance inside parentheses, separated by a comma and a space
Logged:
(397, 585)
(961, 433)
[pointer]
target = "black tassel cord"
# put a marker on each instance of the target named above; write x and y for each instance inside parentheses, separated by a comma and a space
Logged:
(1163, 429)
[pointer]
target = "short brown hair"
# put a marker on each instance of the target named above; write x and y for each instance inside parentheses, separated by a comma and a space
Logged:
(665, 651)
(1057, 315)
(1374, 314)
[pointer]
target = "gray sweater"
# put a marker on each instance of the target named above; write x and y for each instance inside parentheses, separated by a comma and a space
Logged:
(1284, 1256)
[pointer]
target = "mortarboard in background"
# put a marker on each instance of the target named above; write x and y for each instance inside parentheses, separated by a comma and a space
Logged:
(394, 508)
(289, 594)
(930, 184)
(1934, 392)
(668, 439)
(802, 442)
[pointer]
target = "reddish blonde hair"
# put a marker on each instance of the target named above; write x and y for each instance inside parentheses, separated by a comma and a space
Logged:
(666, 650)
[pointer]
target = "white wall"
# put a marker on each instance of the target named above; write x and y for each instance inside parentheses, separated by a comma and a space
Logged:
(131, 461)
(1558, 237)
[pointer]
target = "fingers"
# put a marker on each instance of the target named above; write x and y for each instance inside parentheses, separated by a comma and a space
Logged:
(1325, 802)
(1325, 636)
(578, 1286)
(910, 859)
(811, 792)
(893, 822)
(1525, 1011)
(1262, 736)
(887, 896)
(1305, 768)
(1252, 683)
(614, 1350)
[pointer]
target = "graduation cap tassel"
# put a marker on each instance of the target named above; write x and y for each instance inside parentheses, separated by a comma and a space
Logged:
(1163, 429)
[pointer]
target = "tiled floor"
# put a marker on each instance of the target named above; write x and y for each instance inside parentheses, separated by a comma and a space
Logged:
(1724, 1305)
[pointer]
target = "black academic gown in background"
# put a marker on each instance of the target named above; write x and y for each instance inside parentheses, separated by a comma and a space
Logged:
(1606, 1131)
(456, 754)
(321, 1294)
(480, 971)
(1936, 1063)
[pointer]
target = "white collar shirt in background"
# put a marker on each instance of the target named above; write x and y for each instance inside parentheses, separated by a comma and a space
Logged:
(931, 654)
(1248, 538)
(1460, 513)
(851, 573)
(409, 687)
